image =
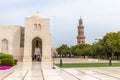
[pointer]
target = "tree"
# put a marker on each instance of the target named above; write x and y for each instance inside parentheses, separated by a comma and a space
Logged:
(63, 50)
(98, 49)
(108, 46)
(73, 50)
(111, 43)
(80, 50)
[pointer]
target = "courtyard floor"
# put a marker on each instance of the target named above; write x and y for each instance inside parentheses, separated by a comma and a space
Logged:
(44, 71)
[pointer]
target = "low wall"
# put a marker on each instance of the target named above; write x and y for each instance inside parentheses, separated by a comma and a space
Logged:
(78, 60)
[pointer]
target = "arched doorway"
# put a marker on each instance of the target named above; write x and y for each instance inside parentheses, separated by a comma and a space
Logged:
(37, 49)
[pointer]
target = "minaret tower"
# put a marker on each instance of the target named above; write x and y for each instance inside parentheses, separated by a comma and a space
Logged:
(80, 37)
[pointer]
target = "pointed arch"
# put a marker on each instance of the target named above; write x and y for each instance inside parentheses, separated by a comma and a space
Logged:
(37, 49)
(4, 46)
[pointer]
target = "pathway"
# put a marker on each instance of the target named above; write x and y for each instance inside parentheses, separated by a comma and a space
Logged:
(44, 71)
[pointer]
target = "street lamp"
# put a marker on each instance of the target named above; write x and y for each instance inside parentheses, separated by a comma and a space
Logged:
(110, 61)
(53, 61)
(60, 60)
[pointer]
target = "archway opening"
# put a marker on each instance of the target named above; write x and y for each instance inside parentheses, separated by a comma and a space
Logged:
(36, 49)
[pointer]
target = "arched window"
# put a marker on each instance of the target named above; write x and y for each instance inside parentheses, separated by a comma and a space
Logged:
(35, 25)
(39, 26)
(4, 46)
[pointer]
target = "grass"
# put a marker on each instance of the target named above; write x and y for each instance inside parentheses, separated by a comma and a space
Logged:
(78, 65)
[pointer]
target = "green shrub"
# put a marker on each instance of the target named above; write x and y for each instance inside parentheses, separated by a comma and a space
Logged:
(6, 56)
(15, 61)
(7, 62)
(6, 59)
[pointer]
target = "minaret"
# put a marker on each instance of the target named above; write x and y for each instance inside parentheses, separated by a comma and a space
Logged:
(80, 37)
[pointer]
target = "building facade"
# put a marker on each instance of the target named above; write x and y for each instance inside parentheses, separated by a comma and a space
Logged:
(29, 43)
(81, 36)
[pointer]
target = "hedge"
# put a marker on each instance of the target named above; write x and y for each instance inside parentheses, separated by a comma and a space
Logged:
(6, 56)
(7, 59)
(7, 62)
(15, 61)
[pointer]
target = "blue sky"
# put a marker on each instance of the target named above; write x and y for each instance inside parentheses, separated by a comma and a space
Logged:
(99, 17)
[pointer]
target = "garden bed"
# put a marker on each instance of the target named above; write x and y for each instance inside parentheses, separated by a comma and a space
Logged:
(4, 67)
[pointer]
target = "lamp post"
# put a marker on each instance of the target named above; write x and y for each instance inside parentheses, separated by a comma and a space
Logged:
(110, 61)
(53, 61)
(60, 60)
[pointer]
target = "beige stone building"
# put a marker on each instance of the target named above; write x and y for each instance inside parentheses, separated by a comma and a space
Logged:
(29, 43)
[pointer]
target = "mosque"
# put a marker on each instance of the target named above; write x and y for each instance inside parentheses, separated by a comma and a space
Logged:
(29, 43)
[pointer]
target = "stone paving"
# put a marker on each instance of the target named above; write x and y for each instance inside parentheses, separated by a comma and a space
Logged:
(44, 71)
(95, 73)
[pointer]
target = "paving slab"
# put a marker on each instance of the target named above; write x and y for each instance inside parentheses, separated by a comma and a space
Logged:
(44, 71)
(110, 73)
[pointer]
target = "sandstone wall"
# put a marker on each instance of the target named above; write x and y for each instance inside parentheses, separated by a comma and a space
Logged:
(12, 35)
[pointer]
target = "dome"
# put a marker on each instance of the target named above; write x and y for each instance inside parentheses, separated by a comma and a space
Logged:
(37, 15)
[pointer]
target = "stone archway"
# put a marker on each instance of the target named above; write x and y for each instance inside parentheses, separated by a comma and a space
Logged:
(36, 49)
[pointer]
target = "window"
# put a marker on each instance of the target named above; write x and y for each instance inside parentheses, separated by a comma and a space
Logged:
(37, 26)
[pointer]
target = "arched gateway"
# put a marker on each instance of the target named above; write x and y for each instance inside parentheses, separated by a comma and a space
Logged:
(37, 49)
(37, 44)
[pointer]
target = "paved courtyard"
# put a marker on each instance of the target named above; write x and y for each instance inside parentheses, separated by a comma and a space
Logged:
(94, 73)
(44, 71)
